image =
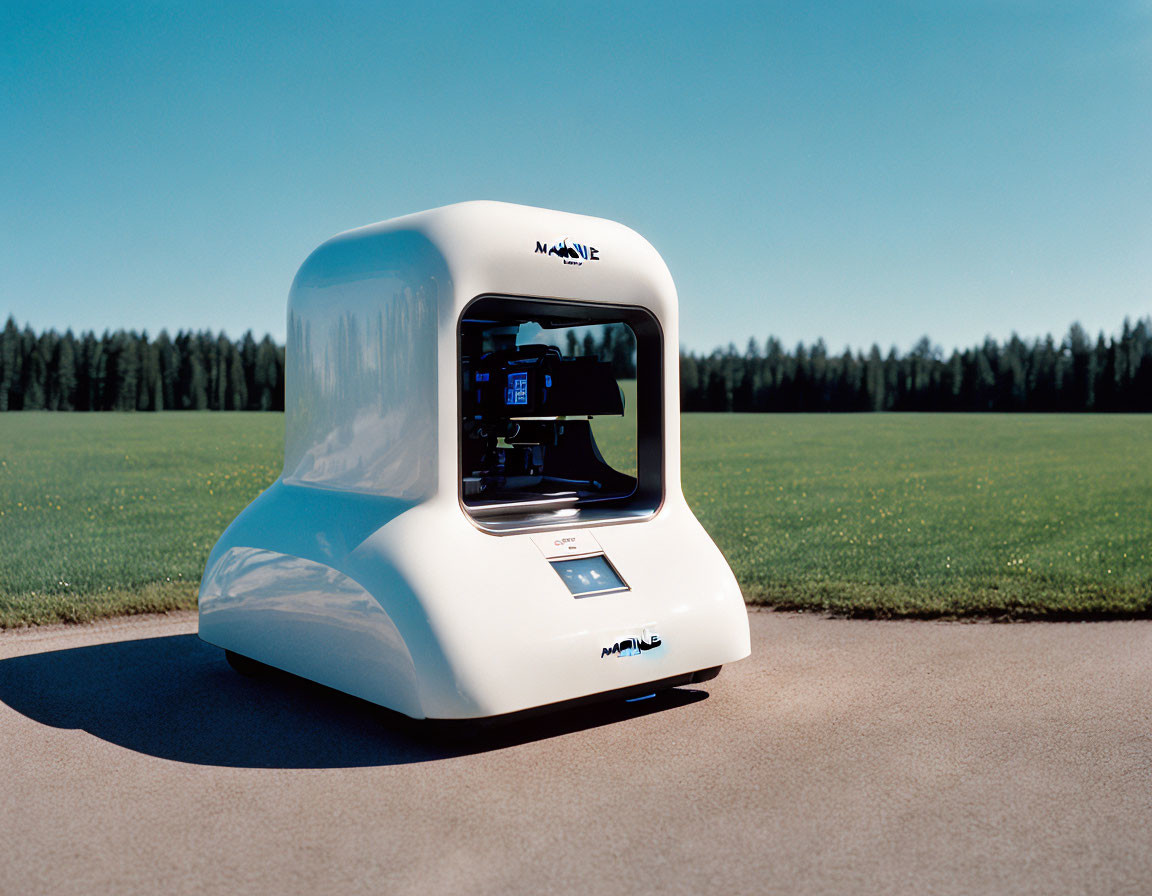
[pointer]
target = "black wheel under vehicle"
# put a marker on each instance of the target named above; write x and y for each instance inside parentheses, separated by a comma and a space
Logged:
(246, 666)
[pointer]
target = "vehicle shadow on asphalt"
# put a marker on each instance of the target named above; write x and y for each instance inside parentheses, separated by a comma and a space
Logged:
(176, 698)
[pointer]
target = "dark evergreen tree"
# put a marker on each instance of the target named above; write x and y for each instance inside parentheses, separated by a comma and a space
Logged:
(193, 379)
(123, 372)
(66, 372)
(11, 358)
(248, 366)
(266, 375)
(168, 360)
(237, 381)
(150, 392)
(622, 352)
(875, 382)
(34, 373)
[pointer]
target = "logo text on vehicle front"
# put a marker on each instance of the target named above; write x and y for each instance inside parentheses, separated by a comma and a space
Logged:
(569, 253)
(632, 646)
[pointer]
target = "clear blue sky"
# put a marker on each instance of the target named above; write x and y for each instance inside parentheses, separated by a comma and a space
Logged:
(857, 172)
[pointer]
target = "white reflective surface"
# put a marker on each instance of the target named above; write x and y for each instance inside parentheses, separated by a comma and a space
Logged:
(361, 366)
(300, 616)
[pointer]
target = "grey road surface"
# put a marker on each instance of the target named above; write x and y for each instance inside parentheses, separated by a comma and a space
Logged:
(843, 757)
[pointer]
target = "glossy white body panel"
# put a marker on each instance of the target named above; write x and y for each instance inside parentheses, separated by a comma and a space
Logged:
(360, 570)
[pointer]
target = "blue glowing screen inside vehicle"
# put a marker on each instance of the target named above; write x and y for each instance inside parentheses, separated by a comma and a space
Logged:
(588, 575)
(517, 391)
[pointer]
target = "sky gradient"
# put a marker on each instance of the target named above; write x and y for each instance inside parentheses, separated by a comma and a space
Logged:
(857, 172)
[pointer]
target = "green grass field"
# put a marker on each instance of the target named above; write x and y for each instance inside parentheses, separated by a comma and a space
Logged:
(926, 515)
(106, 513)
(887, 515)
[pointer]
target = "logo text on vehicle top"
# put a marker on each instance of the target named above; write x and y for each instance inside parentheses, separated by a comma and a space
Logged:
(569, 253)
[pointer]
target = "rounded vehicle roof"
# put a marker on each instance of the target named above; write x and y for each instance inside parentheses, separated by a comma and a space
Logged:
(498, 247)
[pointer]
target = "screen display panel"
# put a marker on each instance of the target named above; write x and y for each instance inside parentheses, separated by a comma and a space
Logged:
(517, 391)
(589, 575)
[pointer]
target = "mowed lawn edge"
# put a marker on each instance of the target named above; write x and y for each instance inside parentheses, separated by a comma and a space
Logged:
(1011, 517)
(898, 601)
(25, 610)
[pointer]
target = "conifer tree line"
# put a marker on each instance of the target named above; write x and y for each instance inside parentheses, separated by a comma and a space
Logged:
(1076, 374)
(128, 371)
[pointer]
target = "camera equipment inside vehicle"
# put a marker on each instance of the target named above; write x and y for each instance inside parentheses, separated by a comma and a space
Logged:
(527, 444)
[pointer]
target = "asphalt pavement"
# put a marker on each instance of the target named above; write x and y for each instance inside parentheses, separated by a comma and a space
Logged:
(844, 756)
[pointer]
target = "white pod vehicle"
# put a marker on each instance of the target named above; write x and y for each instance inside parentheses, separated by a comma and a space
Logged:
(448, 538)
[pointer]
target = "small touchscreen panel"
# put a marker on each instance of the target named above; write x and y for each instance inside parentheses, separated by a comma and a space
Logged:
(589, 575)
(517, 391)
